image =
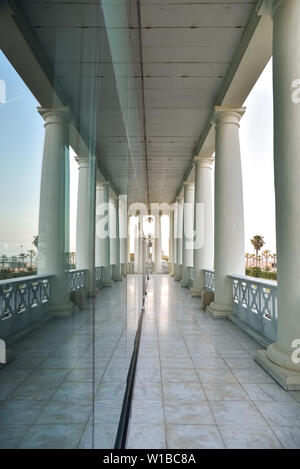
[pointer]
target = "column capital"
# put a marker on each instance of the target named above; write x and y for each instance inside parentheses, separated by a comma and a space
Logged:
(188, 185)
(58, 115)
(82, 160)
(179, 199)
(102, 184)
(228, 115)
(113, 198)
(203, 162)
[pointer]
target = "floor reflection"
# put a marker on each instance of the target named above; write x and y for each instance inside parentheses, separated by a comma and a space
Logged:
(197, 385)
(47, 392)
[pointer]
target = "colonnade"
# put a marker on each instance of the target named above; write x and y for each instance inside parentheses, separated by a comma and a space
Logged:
(218, 238)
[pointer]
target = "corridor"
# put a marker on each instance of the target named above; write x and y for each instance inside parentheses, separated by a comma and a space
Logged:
(197, 385)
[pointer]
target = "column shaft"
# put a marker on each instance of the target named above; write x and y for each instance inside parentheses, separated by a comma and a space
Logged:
(171, 243)
(136, 246)
(229, 216)
(115, 238)
(282, 359)
(102, 243)
(178, 272)
(85, 220)
(124, 241)
(52, 217)
(157, 244)
(188, 232)
(203, 223)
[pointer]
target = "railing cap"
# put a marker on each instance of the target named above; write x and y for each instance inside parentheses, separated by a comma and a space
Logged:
(261, 281)
(27, 278)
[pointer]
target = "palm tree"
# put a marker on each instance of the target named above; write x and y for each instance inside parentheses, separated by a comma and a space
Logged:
(3, 260)
(257, 241)
(252, 256)
(259, 261)
(266, 254)
(247, 255)
(22, 256)
(274, 257)
(35, 241)
(31, 253)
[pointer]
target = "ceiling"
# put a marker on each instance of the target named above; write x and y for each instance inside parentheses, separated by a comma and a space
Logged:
(142, 77)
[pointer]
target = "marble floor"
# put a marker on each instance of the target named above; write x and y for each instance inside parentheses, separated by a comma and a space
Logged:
(65, 387)
(197, 385)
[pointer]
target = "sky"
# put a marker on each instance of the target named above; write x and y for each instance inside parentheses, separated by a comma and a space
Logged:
(21, 150)
(256, 139)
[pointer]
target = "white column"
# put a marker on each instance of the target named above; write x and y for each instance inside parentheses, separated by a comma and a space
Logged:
(171, 243)
(175, 205)
(229, 216)
(203, 222)
(141, 246)
(115, 238)
(128, 243)
(52, 217)
(136, 246)
(157, 244)
(188, 232)
(102, 243)
(85, 220)
(279, 360)
(124, 241)
(178, 271)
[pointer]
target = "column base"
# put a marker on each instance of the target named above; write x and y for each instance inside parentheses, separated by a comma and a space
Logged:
(178, 273)
(185, 279)
(106, 277)
(107, 283)
(116, 273)
(62, 310)
(207, 297)
(288, 379)
(218, 311)
(196, 293)
(9, 358)
(79, 299)
(123, 270)
(184, 284)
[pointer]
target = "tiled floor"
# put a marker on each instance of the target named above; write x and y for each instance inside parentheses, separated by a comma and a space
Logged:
(46, 393)
(197, 385)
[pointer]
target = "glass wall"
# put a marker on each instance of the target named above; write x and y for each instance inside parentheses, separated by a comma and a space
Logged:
(68, 310)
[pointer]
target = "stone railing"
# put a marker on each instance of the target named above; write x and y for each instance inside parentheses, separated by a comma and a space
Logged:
(255, 307)
(77, 280)
(23, 301)
(209, 280)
